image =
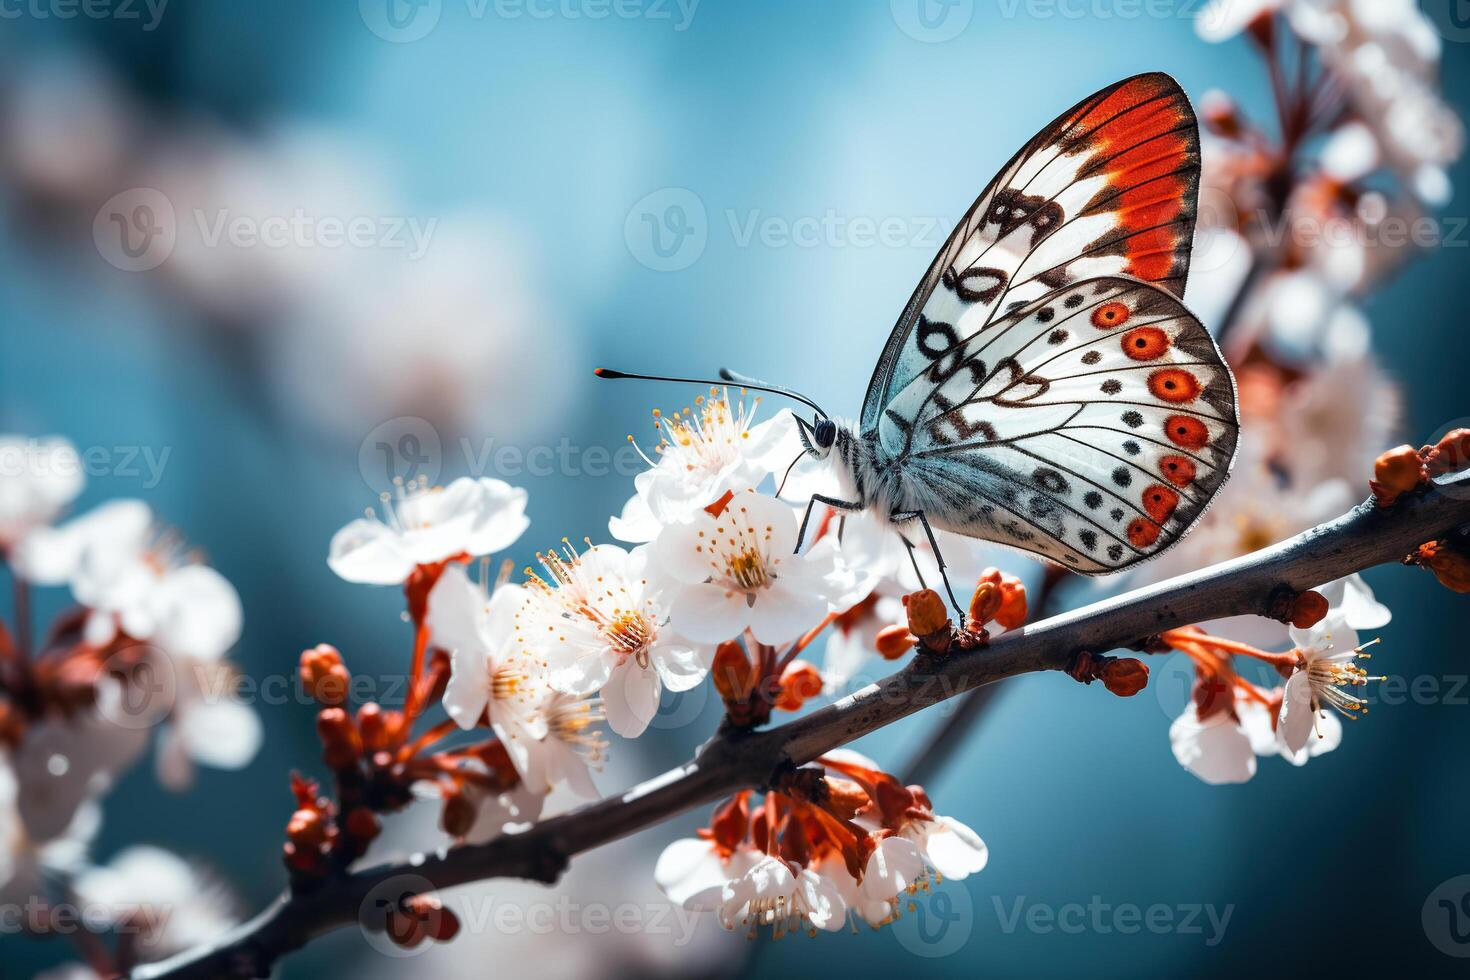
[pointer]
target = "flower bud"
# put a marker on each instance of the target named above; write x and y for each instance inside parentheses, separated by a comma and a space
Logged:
(986, 602)
(458, 814)
(1450, 564)
(926, 613)
(894, 641)
(340, 743)
(733, 672)
(1451, 454)
(308, 829)
(1397, 471)
(800, 681)
(323, 675)
(1125, 676)
(300, 861)
(362, 824)
(1308, 609)
(1012, 614)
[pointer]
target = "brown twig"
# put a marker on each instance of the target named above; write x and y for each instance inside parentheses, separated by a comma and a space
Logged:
(1360, 539)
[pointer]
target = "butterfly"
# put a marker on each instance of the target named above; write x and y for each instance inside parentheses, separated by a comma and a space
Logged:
(1044, 387)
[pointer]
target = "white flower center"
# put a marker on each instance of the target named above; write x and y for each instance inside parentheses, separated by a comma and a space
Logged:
(610, 603)
(571, 721)
(738, 551)
(1330, 679)
(707, 438)
(403, 508)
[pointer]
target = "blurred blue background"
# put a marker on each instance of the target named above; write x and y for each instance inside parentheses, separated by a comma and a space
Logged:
(533, 145)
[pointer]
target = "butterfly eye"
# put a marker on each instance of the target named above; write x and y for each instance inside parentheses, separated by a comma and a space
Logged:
(825, 433)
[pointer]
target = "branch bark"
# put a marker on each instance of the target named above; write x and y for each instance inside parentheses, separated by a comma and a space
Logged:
(732, 760)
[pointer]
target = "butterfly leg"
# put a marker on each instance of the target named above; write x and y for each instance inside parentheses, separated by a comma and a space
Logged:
(903, 517)
(818, 498)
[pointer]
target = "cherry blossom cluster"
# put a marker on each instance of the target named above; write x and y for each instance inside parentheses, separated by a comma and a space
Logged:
(141, 654)
(833, 845)
(594, 634)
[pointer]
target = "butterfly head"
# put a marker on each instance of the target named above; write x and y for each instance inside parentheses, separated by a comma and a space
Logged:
(817, 436)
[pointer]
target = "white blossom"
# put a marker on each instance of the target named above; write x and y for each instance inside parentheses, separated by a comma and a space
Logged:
(423, 525)
(602, 625)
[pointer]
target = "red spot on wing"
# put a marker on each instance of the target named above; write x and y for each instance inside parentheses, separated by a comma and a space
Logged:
(1174, 385)
(1159, 502)
(1142, 532)
(1145, 343)
(1110, 315)
(1186, 431)
(1178, 470)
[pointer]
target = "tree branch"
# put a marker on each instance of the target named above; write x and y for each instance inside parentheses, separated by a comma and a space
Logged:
(732, 760)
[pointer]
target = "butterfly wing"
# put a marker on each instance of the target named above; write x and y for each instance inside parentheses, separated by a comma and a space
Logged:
(1108, 188)
(1090, 427)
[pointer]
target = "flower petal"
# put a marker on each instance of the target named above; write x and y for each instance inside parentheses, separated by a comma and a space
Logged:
(955, 850)
(499, 519)
(368, 552)
(782, 614)
(630, 699)
(221, 734)
(1296, 720)
(1216, 750)
(681, 665)
(709, 614)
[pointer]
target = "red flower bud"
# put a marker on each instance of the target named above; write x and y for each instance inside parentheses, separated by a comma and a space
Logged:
(361, 824)
(800, 681)
(341, 746)
(927, 613)
(1308, 609)
(1451, 454)
(986, 602)
(1125, 677)
(894, 641)
(458, 814)
(1397, 471)
(733, 673)
(1450, 564)
(308, 829)
(323, 675)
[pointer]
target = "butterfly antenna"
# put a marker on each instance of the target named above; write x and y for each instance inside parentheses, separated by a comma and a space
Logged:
(725, 376)
(758, 385)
